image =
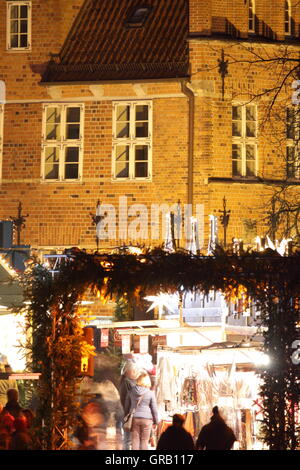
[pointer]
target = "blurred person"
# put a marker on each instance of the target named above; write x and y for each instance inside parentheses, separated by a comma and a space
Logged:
(142, 401)
(6, 384)
(20, 439)
(4, 439)
(94, 417)
(82, 434)
(216, 435)
(13, 406)
(29, 417)
(175, 437)
(127, 382)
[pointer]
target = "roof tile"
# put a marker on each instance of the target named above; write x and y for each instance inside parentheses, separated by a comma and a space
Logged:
(101, 47)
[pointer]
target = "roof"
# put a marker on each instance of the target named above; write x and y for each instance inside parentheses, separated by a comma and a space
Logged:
(102, 47)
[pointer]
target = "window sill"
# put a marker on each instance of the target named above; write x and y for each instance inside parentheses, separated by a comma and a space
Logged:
(254, 180)
(44, 181)
(18, 50)
(131, 180)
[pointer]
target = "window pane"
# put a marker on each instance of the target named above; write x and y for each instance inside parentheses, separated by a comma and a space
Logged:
(52, 131)
(14, 26)
(24, 11)
(250, 129)
(72, 154)
(123, 113)
(73, 114)
(51, 154)
(251, 113)
(290, 154)
(122, 153)
(141, 113)
(24, 40)
(71, 163)
(250, 152)
(122, 161)
(141, 129)
(73, 131)
(237, 128)
(237, 167)
(51, 162)
(236, 113)
(14, 11)
(122, 169)
(52, 123)
(71, 171)
(236, 160)
(14, 41)
(24, 26)
(141, 152)
(122, 130)
(141, 170)
(250, 168)
(236, 152)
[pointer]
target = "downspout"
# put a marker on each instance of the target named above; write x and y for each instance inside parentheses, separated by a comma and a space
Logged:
(187, 89)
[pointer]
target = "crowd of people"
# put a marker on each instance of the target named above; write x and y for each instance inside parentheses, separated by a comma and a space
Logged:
(140, 420)
(139, 403)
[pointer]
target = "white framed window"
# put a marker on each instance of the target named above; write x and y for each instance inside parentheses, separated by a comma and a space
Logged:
(19, 25)
(132, 140)
(244, 140)
(287, 18)
(251, 16)
(293, 143)
(1, 136)
(62, 142)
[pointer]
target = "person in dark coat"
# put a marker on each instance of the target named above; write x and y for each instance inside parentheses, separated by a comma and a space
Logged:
(13, 406)
(216, 435)
(143, 401)
(127, 382)
(175, 437)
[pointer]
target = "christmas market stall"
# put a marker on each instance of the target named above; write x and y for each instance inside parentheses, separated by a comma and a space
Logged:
(192, 380)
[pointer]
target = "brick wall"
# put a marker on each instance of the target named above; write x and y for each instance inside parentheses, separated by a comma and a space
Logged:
(59, 212)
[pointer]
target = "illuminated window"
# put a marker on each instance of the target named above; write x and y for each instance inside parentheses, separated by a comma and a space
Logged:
(62, 142)
(18, 25)
(287, 18)
(244, 140)
(137, 17)
(292, 143)
(132, 140)
(251, 16)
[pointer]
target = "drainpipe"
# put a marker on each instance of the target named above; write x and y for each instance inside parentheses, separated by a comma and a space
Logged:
(187, 89)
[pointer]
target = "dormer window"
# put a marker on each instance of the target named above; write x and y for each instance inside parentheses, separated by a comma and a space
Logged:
(287, 18)
(137, 17)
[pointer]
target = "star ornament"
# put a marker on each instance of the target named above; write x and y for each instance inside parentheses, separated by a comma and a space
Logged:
(170, 302)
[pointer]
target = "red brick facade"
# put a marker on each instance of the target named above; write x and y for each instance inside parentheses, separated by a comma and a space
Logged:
(59, 212)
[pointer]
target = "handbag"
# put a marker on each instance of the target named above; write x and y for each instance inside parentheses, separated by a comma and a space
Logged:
(127, 423)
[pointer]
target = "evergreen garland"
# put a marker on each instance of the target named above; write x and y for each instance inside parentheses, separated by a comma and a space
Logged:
(273, 281)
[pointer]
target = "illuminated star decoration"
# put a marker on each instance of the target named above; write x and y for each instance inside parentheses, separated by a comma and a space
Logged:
(170, 302)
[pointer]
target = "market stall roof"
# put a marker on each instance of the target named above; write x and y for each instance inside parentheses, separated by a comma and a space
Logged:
(224, 354)
(161, 327)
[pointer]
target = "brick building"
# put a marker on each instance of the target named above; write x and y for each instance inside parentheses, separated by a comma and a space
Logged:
(152, 102)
